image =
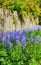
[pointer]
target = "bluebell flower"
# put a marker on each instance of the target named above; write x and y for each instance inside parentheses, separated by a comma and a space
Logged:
(34, 27)
(17, 35)
(6, 33)
(37, 37)
(12, 35)
(31, 39)
(0, 37)
(3, 40)
(23, 38)
(8, 43)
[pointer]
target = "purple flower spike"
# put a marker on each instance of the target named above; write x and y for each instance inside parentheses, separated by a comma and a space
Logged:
(8, 43)
(31, 39)
(12, 35)
(17, 35)
(37, 37)
(23, 38)
(0, 37)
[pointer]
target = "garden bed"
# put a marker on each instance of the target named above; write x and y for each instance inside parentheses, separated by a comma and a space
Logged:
(21, 47)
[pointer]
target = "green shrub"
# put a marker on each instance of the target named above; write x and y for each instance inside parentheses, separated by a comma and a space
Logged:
(28, 54)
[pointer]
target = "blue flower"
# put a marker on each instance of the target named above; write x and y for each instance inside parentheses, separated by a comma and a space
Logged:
(37, 37)
(0, 37)
(3, 39)
(23, 38)
(6, 33)
(34, 27)
(12, 35)
(31, 39)
(17, 35)
(8, 43)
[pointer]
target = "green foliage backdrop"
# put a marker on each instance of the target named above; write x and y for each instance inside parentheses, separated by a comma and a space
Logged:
(28, 54)
(29, 6)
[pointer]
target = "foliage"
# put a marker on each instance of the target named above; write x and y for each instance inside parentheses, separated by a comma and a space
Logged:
(31, 6)
(20, 53)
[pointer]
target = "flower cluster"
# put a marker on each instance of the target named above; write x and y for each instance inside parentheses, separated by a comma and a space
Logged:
(20, 47)
(36, 27)
(19, 36)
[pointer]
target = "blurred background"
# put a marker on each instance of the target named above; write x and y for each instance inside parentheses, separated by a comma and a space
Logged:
(19, 14)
